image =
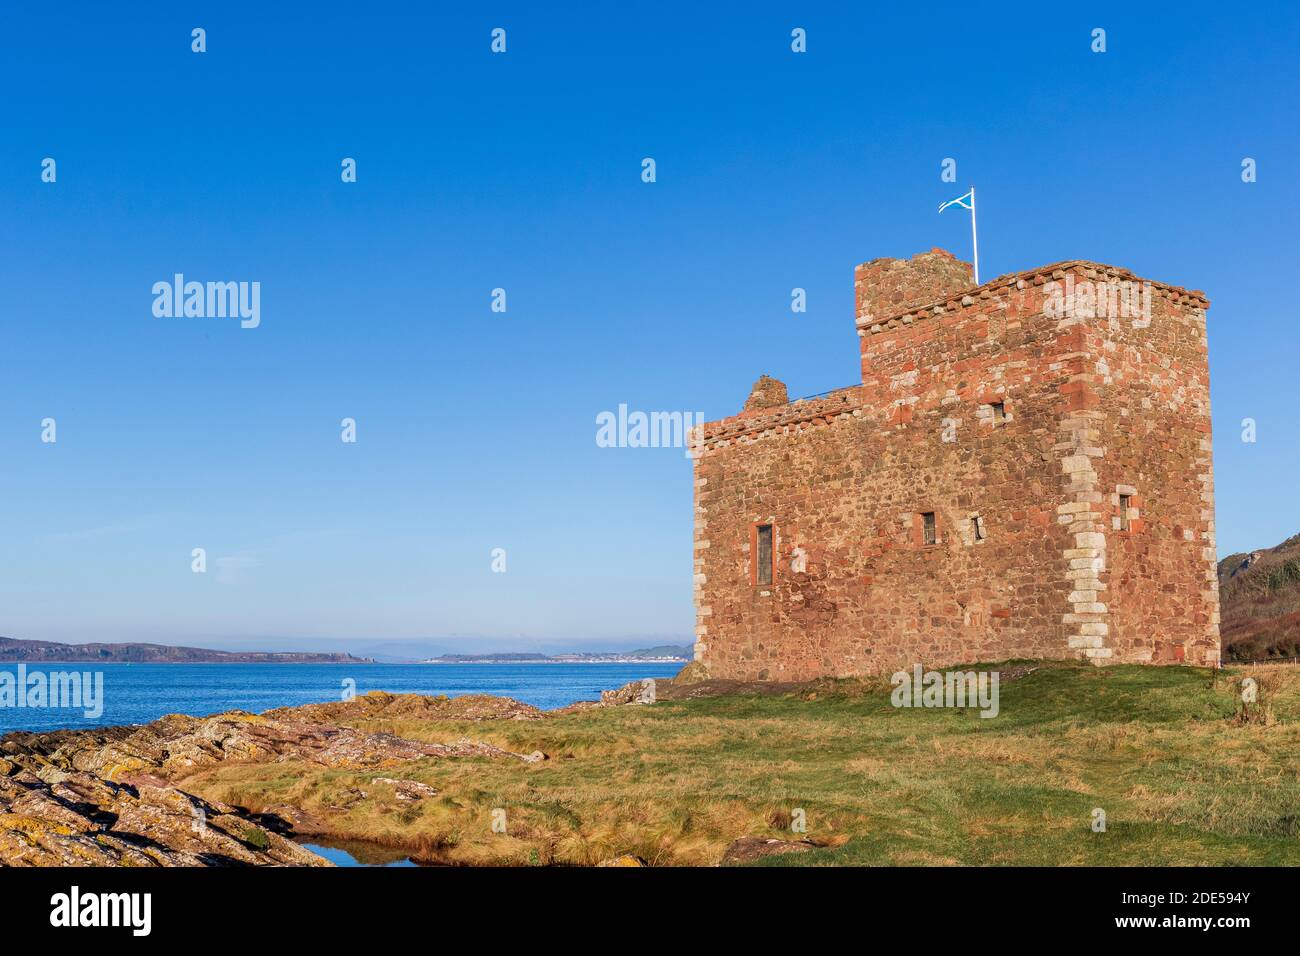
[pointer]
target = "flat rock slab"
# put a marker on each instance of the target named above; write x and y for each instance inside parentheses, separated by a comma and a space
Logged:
(82, 820)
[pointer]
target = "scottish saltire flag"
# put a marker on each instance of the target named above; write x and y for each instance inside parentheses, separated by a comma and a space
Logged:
(959, 201)
(968, 202)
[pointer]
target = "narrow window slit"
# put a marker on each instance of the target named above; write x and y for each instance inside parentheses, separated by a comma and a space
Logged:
(927, 528)
(764, 555)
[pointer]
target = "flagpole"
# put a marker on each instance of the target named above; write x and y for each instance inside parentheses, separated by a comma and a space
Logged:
(974, 238)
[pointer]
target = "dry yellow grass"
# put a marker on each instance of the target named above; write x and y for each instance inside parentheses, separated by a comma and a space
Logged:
(1163, 751)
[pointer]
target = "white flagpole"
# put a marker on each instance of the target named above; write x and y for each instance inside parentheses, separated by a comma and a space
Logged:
(974, 239)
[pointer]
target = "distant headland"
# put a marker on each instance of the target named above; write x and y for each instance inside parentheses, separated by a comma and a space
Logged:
(13, 651)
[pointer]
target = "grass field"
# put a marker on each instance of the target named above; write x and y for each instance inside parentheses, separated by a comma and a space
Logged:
(1164, 751)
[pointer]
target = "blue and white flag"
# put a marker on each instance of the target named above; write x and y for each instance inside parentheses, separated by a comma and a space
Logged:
(968, 202)
(959, 201)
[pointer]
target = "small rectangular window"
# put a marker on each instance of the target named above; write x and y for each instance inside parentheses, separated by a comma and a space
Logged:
(1124, 502)
(977, 528)
(927, 528)
(999, 413)
(763, 571)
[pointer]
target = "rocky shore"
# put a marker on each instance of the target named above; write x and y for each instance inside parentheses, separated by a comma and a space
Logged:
(109, 797)
(121, 796)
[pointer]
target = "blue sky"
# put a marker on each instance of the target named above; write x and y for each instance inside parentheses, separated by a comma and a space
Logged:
(522, 171)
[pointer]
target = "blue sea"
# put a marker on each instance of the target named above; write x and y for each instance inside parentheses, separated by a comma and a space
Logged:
(139, 693)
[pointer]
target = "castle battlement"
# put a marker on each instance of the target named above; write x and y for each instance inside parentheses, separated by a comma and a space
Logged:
(1021, 281)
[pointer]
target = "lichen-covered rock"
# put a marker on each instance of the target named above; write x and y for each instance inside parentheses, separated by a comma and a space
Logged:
(175, 746)
(106, 797)
(412, 706)
(635, 692)
(407, 789)
(83, 820)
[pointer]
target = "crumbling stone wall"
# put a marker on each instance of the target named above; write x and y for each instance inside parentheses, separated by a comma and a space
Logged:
(766, 393)
(1015, 426)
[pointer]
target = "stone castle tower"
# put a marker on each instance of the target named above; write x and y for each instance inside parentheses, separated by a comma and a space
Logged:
(1025, 471)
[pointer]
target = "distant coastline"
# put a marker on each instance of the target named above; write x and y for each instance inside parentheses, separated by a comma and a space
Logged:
(13, 651)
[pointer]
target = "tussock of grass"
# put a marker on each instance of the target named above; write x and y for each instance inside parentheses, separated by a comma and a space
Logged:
(1162, 750)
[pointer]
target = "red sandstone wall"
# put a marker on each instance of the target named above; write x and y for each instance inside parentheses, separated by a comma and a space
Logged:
(845, 478)
(847, 490)
(1152, 385)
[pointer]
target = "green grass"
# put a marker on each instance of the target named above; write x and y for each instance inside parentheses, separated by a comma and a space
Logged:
(1161, 750)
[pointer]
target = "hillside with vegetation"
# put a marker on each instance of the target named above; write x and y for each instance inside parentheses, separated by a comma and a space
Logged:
(1259, 601)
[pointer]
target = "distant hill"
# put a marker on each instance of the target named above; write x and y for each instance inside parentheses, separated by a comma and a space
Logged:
(660, 652)
(1259, 602)
(13, 651)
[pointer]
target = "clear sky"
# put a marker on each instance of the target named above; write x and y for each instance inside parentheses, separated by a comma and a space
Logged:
(476, 429)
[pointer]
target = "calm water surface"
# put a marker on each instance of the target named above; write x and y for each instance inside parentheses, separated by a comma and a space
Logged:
(357, 853)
